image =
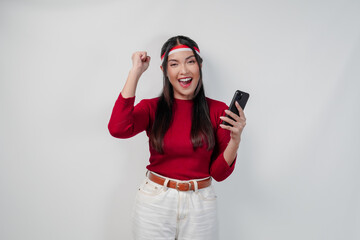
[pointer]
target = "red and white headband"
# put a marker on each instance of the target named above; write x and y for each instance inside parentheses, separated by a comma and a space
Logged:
(180, 48)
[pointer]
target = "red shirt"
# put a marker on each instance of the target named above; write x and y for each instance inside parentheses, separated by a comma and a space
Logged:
(179, 160)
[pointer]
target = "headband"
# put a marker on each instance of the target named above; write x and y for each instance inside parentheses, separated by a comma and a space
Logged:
(180, 48)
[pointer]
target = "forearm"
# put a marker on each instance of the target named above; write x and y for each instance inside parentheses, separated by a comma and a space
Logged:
(129, 88)
(231, 151)
(223, 165)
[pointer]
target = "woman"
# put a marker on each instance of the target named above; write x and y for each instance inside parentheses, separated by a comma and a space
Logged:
(188, 145)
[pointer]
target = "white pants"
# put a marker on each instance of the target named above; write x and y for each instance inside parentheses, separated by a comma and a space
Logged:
(168, 214)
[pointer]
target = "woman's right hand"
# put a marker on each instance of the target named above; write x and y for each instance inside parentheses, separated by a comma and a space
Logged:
(140, 62)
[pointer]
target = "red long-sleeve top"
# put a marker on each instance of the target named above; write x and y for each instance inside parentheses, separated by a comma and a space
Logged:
(179, 160)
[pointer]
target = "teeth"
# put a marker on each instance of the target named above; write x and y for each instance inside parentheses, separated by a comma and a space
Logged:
(185, 79)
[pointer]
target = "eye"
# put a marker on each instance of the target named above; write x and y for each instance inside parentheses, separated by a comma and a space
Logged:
(173, 64)
(192, 61)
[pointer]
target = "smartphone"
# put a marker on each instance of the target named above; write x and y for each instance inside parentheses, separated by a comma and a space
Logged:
(241, 98)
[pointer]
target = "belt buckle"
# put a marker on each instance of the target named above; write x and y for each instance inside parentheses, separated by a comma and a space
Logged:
(177, 188)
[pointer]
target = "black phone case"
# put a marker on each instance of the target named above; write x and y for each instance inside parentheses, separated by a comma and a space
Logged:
(241, 98)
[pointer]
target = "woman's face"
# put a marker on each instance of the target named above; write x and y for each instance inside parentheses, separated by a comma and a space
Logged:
(183, 73)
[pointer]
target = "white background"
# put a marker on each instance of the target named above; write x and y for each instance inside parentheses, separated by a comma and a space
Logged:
(63, 64)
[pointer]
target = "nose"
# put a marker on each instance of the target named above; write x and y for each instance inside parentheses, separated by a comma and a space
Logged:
(183, 69)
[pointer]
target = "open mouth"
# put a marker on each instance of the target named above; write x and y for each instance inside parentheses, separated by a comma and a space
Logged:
(185, 82)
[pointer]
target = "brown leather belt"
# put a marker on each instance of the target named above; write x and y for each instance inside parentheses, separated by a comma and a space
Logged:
(180, 185)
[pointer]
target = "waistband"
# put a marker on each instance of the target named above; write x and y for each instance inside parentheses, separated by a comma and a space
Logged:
(187, 185)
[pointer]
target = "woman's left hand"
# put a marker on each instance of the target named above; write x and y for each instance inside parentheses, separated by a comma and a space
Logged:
(238, 123)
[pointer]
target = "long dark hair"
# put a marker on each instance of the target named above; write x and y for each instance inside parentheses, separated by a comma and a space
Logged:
(201, 127)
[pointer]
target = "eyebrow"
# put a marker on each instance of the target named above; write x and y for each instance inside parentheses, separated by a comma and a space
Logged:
(185, 58)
